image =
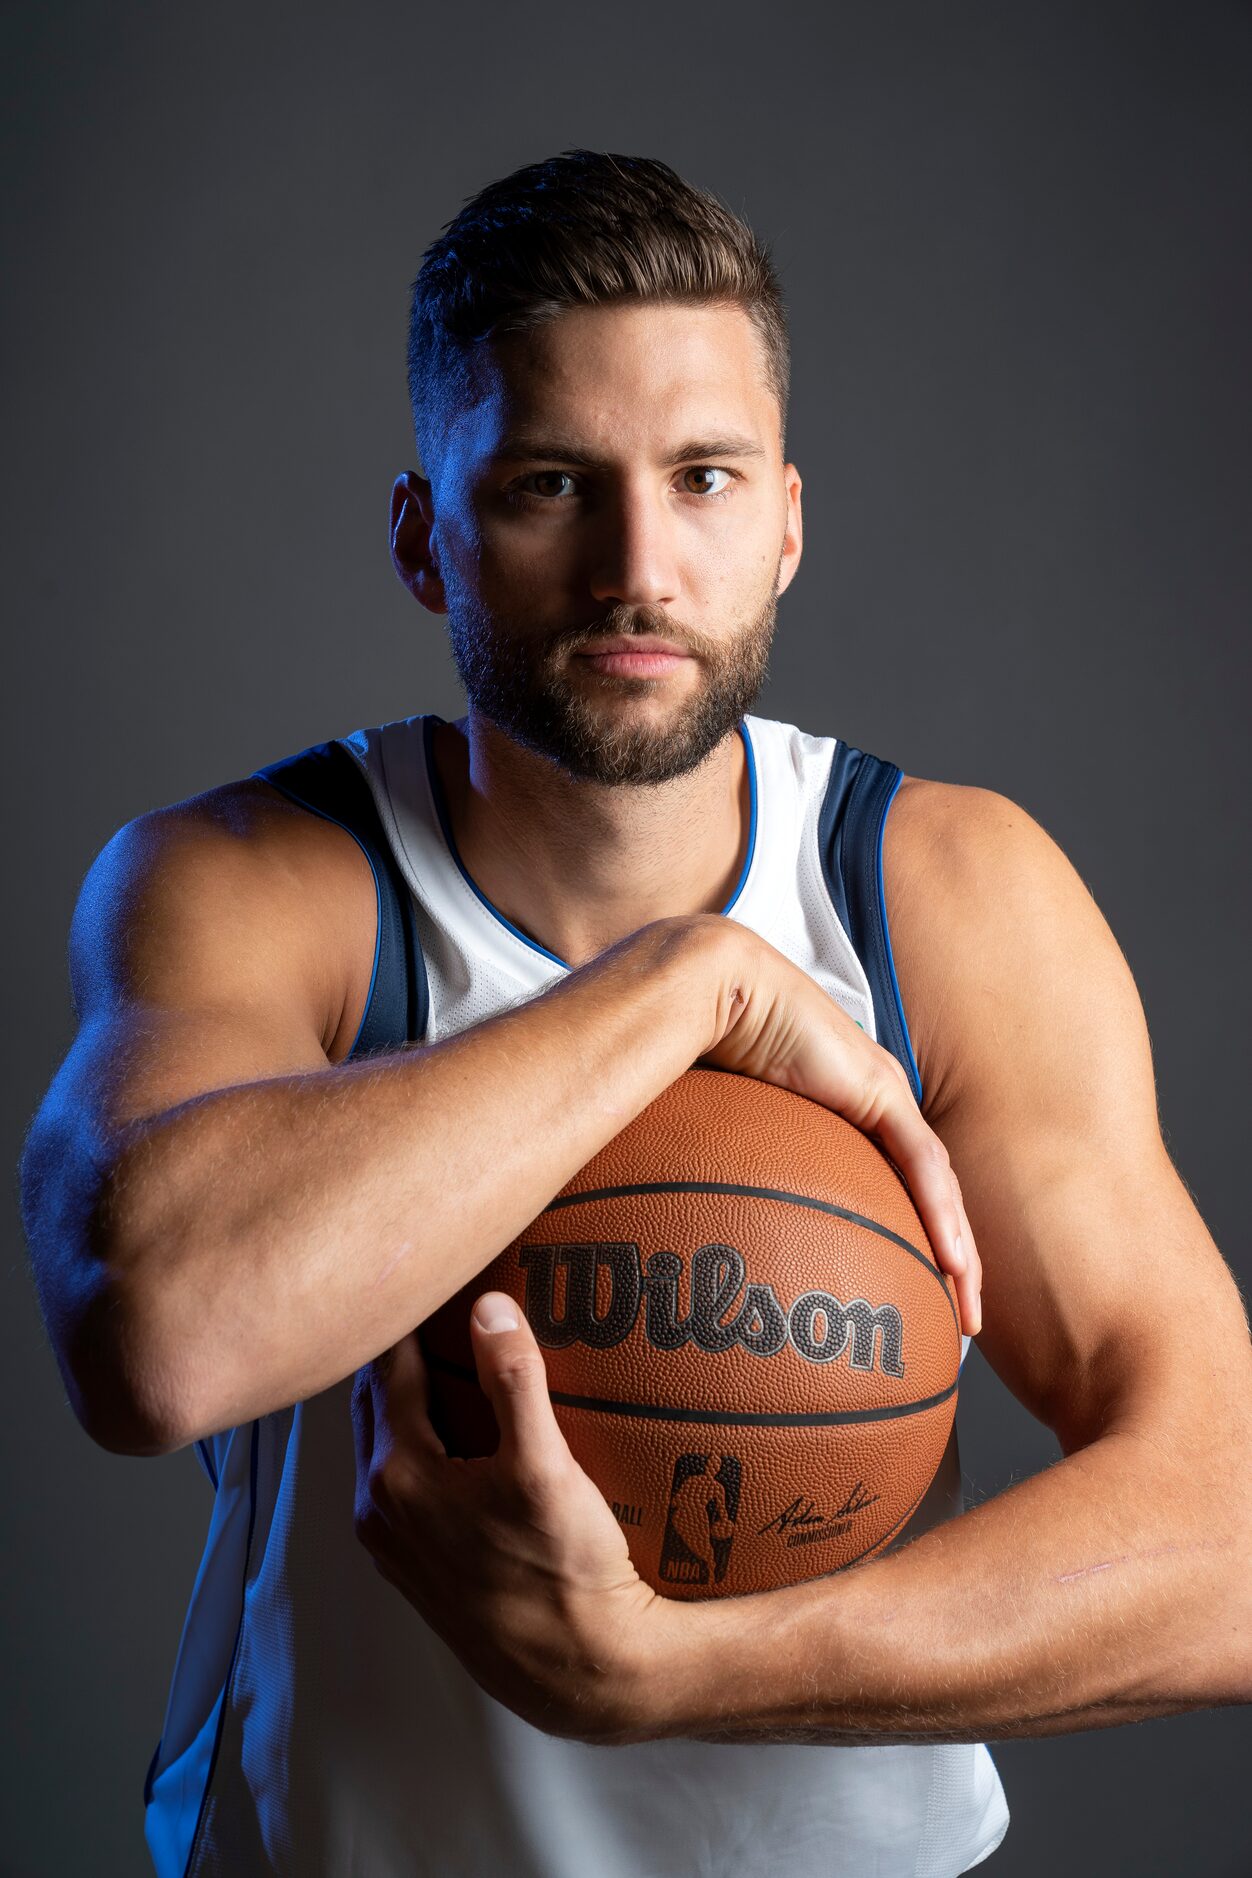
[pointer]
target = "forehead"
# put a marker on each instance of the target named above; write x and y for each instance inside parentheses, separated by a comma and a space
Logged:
(624, 377)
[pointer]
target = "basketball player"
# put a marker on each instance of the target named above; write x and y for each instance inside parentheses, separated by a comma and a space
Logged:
(348, 1024)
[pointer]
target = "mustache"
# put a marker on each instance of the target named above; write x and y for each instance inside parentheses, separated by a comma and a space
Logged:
(632, 622)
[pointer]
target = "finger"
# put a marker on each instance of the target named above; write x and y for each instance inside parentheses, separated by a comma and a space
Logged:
(967, 1285)
(923, 1160)
(962, 1264)
(400, 1394)
(511, 1373)
(968, 1281)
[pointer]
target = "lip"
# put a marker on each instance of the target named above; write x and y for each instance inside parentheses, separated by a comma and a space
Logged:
(635, 658)
(646, 643)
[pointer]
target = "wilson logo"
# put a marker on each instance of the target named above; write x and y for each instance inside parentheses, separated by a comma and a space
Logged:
(818, 1327)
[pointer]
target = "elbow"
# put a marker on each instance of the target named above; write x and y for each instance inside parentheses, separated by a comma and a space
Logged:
(125, 1395)
(121, 1410)
(120, 1427)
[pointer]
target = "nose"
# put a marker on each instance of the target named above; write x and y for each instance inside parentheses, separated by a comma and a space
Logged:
(633, 554)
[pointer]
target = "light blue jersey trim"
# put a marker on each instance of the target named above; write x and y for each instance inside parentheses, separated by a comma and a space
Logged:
(750, 754)
(441, 809)
(886, 933)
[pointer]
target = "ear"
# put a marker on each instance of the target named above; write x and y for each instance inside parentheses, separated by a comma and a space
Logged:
(793, 540)
(412, 549)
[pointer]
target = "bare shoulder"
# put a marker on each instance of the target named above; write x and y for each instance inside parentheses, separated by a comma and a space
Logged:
(1000, 947)
(952, 835)
(184, 887)
(971, 859)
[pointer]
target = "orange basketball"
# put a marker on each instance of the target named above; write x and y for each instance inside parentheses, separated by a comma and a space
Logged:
(749, 1346)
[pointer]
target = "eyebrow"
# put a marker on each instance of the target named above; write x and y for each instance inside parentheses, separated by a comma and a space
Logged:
(522, 447)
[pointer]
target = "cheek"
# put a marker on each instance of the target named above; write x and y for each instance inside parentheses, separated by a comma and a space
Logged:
(736, 555)
(509, 545)
(513, 576)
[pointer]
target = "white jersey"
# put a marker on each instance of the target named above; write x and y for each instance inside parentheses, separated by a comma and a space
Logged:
(316, 1726)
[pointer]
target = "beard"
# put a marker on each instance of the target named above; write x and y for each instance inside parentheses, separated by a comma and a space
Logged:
(524, 687)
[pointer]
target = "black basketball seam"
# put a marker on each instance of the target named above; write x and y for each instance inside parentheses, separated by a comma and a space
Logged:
(759, 1193)
(720, 1418)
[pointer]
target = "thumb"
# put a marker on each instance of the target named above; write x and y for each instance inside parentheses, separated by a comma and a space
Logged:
(511, 1374)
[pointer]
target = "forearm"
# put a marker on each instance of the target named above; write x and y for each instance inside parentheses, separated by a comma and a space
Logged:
(1108, 1589)
(274, 1236)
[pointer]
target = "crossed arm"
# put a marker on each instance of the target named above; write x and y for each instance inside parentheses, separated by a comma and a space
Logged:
(1112, 1587)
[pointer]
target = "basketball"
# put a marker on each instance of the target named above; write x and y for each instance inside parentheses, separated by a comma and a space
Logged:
(749, 1345)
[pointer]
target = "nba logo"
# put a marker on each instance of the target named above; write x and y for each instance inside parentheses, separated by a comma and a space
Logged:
(700, 1522)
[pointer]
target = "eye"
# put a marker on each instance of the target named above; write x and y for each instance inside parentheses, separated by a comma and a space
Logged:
(534, 484)
(706, 470)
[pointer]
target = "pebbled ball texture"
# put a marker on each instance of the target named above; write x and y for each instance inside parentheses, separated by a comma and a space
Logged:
(749, 1346)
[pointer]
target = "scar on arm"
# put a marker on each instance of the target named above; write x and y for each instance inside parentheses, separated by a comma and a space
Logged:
(1159, 1551)
(391, 1264)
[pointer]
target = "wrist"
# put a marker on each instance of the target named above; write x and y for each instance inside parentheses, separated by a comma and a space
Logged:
(678, 1661)
(718, 969)
(734, 1668)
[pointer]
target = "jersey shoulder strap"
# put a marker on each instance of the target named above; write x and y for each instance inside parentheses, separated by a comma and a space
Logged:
(849, 832)
(327, 780)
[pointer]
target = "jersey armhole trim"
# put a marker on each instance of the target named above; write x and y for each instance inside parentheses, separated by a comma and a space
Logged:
(850, 827)
(753, 795)
(915, 1074)
(302, 803)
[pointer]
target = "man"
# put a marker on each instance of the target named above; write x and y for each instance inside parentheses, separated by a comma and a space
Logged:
(243, 1190)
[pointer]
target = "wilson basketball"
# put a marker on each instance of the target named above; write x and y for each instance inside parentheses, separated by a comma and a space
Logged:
(749, 1346)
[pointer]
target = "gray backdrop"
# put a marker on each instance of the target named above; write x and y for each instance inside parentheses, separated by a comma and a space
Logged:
(1014, 241)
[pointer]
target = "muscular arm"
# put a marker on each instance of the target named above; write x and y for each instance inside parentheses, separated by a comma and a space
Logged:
(1114, 1585)
(224, 1221)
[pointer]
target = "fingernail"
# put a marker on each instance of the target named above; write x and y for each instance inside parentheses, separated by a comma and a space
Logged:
(958, 1253)
(494, 1311)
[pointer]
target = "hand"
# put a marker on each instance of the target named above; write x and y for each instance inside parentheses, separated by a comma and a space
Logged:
(777, 1023)
(516, 1560)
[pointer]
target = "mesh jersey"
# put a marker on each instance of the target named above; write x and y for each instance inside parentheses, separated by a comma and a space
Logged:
(316, 1726)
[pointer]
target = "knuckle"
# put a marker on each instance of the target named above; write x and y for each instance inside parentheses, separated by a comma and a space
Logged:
(367, 1523)
(390, 1485)
(885, 1082)
(522, 1371)
(899, 1073)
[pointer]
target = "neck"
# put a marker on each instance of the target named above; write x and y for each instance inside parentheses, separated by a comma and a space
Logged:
(577, 865)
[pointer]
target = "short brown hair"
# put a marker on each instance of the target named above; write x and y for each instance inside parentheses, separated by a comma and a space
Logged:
(585, 228)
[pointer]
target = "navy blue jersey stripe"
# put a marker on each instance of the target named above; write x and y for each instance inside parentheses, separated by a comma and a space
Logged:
(325, 779)
(850, 832)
